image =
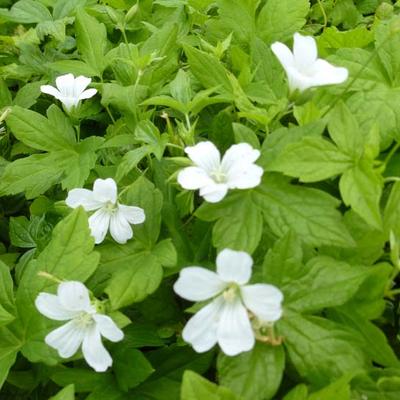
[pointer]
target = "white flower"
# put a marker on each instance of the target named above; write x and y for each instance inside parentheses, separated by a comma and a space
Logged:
(226, 319)
(70, 90)
(303, 69)
(214, 177)
(85, 326)
(109, 214)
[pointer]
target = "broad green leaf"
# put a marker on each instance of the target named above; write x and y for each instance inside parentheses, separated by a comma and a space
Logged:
(201, 64)
(283, 262)
(344, 130)
(245, 374)
(7, 306)
(131, 367)
(339, 389)
(136, 281)
(333, 38)
(320, 349)
(392, 211)
(91, 40)
(28, 94)
(300, 392)
(36, 131)
(280, 19)
(130, 160)
(33, 175)
(75, 67)
(375, 342)
(243, 134)
(65, 8)
(361, 188)
(166, 253)
(195, 387)
(142, 193)
(27, 12)
(7, 360)
(67, 393)
(181, 88)
(68, 256)
(310, 213)
(312, 159)
(328, 283)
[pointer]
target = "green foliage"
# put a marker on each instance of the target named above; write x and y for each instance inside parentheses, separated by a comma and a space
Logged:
(323, 225)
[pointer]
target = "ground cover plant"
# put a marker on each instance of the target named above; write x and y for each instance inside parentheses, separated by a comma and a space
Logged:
(200, 199)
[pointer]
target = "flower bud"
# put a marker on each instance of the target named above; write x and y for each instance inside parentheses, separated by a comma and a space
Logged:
(131, 12)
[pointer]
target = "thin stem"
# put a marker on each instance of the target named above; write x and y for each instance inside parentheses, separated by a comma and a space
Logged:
(390, 155)
(78, 132)
(110, 114)
(124, 36)
(323, 14)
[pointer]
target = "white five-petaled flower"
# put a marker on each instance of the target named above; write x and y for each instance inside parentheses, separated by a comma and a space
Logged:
(226, 319)
(109, 214)
(303, 67)
(85, 326)
(70, 90)
(213, 176)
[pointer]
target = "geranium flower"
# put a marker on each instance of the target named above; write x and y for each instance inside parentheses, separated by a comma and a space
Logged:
(70, 90)
(85, 326)
(226, 319)
(303, 69)
(215, 177)
(109, 214)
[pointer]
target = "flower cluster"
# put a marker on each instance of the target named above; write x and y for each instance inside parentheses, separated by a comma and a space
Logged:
(236, 311)
(226, 319)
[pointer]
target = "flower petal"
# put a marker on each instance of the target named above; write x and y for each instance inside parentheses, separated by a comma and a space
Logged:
(134, 215)
(327, 74)
(50, 90)
(234, 332)
(283, 54)
(205, 155)
(65, 84)
(201, 330)
(214, 193)
(98, 224)
(264, 300)
(87, 94)
(66, 339)
(49, 305)
(105, 190)
(108, 328)
(244, 176)
(193, 178)
(234, 266)
(84, 198)
(198, 284)
(304, 51)
(120, 229)
(239, 154)
(74, 296)
(94, 351)
(80, 84)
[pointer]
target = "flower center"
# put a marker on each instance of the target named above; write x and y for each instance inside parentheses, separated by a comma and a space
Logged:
(231, 292)
(218, 175)
(84, 319)
(110, 207)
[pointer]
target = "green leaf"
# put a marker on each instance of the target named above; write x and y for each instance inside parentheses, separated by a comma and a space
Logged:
(310, 213)
(312, 159)
(344, 130)
(195, 387)
(136, 281)
(320, 349)
(142, 193)
(28, 94)
(75, 67)
(68, 256)
(375, 342)
(392, 211)
(7, 306)
(27, 12)
(280, 19)
(339, 389)
(245, 374)
(181, 88)
(33, 175)
(91, 40)
(201, 64)
(283, 262)
(36, 131)
(67, 393)
(361, 188)
(130, 366)
(328, 283)
(166, 253)
(7, 360)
